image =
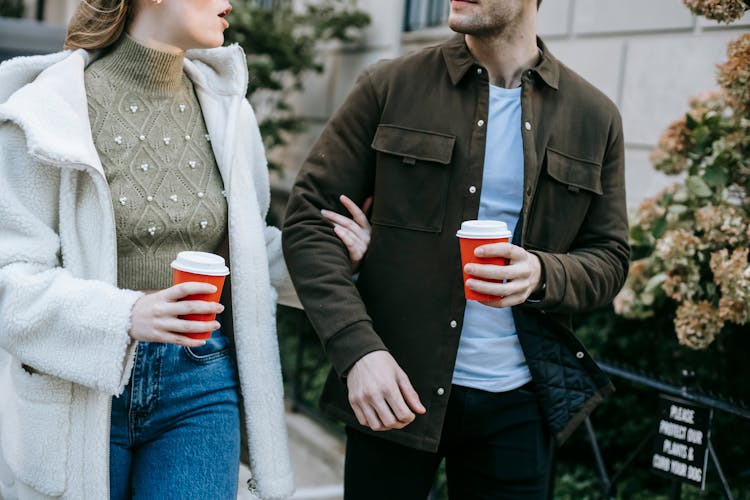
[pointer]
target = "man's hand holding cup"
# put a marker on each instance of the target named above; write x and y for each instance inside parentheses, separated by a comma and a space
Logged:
(496, 272)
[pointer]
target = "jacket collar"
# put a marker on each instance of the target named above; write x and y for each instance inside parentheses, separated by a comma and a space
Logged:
(46, 97)
(459, 60)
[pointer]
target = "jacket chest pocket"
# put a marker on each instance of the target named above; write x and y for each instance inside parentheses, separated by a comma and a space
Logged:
(564, 193)
(411, 177)
(35, 429)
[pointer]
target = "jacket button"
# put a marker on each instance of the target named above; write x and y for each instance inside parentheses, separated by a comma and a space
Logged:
(579, 355)
(472, 189)
(440, 391)
(480, 123)
(527, 126)
(454, 323)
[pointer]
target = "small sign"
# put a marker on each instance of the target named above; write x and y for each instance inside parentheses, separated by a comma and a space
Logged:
(681, 444)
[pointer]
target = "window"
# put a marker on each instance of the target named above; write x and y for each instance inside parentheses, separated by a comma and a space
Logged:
(272, 4)
(425, 13)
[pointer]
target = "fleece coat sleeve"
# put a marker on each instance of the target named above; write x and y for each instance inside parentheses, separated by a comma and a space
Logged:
(50, 320)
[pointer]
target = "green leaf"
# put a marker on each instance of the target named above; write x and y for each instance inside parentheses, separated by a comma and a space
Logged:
(637, 233)
(680, 196)
(698, 187)
(702, 138)
(712, 121)
(716, 176)
(660, 226)
(655, 282)
(690, 121)
(678, 209)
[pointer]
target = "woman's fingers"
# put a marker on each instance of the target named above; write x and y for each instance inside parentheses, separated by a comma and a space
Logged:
(357, 214)
(352, 241)
(367, 205)
(178, 292)
(354, 232)
(349, 224)
(173, 338)
(183, 307)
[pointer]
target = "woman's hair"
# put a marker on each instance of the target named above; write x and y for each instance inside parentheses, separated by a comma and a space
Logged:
(97, 24)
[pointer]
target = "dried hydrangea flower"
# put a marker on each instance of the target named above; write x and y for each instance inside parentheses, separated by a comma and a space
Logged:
(734, 75)
(725, 11)
(697, 324)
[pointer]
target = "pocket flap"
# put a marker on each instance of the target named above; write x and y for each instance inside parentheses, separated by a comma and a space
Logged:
(575, 172)
(414, 144)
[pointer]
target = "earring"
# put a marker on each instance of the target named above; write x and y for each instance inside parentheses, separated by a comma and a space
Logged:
(157, 2)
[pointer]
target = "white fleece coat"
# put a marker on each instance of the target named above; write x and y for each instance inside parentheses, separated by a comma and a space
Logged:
(64, 344)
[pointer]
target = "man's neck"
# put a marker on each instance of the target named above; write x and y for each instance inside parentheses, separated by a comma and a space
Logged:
(506, 55)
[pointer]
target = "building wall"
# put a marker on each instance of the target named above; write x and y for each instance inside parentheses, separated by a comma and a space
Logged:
(324, 93)
(55, 11)
(648, 56)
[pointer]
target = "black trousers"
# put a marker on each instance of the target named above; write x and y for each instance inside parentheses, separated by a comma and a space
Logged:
(495, 447)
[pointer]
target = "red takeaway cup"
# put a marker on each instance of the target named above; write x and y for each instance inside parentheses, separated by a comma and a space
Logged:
(473, 234)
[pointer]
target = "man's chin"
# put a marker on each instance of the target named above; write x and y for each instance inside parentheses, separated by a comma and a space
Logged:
(458, 26)
(462, 27)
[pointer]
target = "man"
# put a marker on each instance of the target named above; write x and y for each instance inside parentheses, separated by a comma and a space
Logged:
(488, 125)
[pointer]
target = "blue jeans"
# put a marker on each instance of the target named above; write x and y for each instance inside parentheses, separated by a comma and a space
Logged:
(175, 430)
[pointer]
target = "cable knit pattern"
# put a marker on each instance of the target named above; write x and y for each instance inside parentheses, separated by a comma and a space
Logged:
(149, 131)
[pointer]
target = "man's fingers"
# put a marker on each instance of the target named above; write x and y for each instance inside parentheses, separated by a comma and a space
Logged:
(399, 408)
(495, 272)
(495, 250)
(500, 289)
(385, 414)
(359, 414)
(372, 419)
(506, 301)
(410, 395)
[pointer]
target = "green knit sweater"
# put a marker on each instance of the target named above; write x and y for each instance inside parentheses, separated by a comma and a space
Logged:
(167, 191)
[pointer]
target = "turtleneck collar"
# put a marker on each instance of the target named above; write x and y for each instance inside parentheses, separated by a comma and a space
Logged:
(151, 71)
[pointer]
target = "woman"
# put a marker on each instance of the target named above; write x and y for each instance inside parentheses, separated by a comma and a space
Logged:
(114, 157)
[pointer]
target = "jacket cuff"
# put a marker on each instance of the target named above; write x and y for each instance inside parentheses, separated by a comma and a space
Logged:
(351, 343)
(554, 278)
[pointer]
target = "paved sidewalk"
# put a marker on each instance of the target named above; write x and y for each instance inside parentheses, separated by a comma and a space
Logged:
(317, 460)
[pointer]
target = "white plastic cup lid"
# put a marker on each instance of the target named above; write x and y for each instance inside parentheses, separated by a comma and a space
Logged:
(483, 229)
(200, 263)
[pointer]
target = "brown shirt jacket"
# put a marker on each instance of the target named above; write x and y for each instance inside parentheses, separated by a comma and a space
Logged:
(412, 133)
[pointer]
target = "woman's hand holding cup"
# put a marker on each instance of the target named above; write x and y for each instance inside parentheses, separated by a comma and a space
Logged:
(155, 316)
(184, 313)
